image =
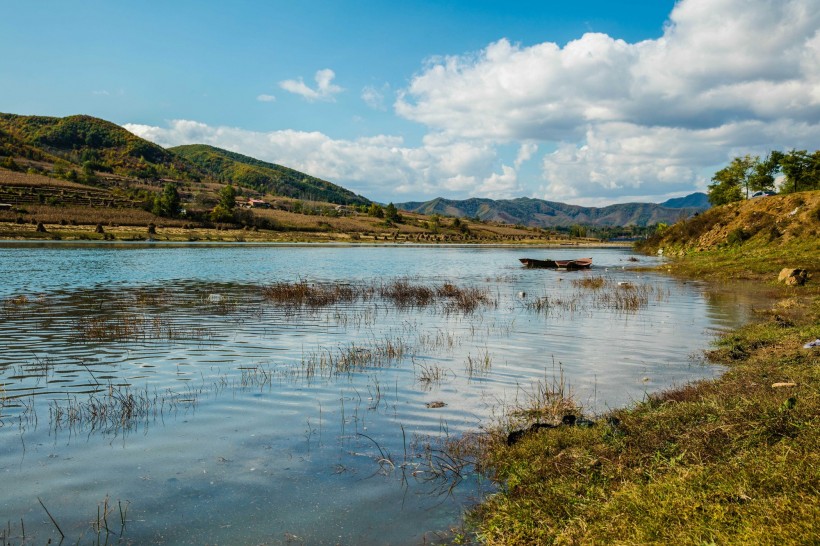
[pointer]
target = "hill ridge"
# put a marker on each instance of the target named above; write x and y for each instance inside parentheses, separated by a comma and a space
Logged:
(534, 212)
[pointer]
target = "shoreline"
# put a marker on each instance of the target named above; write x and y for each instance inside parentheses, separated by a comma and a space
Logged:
(26, 233)
(729, 460)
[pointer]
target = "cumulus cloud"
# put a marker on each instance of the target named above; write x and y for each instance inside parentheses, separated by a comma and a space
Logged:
(266, 98)
(726, 76)
(325, 88)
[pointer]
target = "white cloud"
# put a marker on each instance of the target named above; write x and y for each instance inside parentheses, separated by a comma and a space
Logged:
(325, 88)
(726, 77)
(266, 98)
(374, 97)
(500, 185)
(525, 153)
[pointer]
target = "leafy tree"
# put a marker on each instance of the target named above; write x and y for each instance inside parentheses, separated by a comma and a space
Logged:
(729, 182)
(763, 174)
(89, 176)
(801, 169)
(168, 202)
(10, 164)
(375, 210)
(227, 197)
(391, 213)
(223, 211)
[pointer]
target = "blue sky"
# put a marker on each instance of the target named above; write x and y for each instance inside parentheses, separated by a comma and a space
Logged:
(584, 102)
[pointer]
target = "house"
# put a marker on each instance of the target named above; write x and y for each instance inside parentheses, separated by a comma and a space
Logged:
(257, 204)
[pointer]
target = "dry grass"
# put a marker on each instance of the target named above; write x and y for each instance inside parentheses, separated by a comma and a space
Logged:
(53, 216)
(18, 179)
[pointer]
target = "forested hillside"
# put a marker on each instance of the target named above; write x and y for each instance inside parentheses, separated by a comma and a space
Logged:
(264, 177)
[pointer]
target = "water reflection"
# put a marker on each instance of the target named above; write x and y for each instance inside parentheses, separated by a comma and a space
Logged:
(168, 378)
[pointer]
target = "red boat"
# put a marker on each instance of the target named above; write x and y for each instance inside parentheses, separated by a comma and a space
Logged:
(578, 263)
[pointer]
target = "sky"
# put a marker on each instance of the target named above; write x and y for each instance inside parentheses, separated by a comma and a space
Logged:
(589, 103)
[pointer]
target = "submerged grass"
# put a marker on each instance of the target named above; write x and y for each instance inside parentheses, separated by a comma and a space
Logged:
(401, 293)
(599, 293)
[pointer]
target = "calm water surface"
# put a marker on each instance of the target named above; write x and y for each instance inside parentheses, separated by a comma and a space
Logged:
(159, 376)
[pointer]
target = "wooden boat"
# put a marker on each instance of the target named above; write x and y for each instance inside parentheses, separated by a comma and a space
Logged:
(578, 263)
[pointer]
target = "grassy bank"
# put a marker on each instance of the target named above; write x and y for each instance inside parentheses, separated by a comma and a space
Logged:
(730, 461)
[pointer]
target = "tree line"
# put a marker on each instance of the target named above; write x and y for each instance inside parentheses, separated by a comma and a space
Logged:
(799, 169)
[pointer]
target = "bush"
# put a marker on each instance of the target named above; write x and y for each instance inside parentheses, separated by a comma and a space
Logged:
(737, 236)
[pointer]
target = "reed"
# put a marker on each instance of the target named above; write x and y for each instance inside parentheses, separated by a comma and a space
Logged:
(117, 408)
(136, 327)
(304, 294)
(592, 283)
(401, 293)
(478, 365)
(405, 295)
(429, 375)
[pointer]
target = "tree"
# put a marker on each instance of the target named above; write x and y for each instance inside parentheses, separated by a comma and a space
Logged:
(10, 164)
(168, 202)
(763, 173)
(375, 210)
(223, 211)
(801, 169)
(729, 182)
(227, 197)
(577, 231)
(391, 213)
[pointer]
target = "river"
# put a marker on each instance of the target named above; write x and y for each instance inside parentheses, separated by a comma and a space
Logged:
(152, 393)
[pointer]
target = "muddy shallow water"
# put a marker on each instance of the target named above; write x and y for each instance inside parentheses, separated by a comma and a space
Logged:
(160, 380)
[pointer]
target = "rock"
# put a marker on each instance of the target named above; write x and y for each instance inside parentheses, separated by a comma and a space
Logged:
(793, 276)
(436, 404)
(782, 385)
(812, 344)
(516, 435)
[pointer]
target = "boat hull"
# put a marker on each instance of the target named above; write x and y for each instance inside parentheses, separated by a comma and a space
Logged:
(579, 263)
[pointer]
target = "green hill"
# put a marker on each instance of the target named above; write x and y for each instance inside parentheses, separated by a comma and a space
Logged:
(80, 148)
(264, 177)
(90, 144)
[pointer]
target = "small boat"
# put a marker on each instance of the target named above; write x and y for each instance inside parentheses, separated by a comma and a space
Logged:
(578, 263)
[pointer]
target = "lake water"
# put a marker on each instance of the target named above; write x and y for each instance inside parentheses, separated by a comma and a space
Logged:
(159, 379)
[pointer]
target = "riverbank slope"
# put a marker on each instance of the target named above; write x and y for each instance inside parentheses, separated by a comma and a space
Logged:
(730, 461)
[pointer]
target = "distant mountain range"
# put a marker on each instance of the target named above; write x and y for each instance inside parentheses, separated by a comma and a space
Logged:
(538, 213)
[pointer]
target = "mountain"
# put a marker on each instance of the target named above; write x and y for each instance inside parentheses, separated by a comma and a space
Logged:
(93, 144)
(94, 151)
(539, 213)
(697, 200)
(264, 177)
